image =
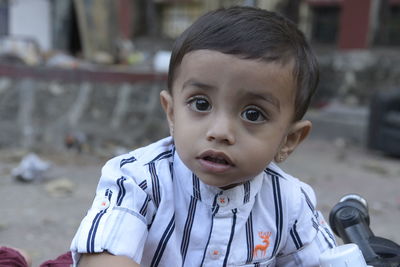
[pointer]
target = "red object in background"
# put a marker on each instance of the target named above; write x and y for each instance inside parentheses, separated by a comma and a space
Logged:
(124, 18)
(354, 24)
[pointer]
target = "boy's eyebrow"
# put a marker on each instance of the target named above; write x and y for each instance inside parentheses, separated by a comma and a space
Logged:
(268, 97)
(194, 83)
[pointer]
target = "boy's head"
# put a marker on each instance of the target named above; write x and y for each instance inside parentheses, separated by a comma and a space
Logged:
(252, 33)
(239, 83)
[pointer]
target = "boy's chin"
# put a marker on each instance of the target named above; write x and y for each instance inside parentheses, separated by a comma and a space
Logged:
(219, 184)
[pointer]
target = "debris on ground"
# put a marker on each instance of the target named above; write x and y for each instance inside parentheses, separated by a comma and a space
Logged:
(60, 188)
(375, 167)
(31, 168)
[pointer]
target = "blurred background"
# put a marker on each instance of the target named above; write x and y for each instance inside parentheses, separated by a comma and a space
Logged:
(80, 83)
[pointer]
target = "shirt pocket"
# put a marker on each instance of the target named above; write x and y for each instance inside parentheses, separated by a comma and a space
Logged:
(262, 263)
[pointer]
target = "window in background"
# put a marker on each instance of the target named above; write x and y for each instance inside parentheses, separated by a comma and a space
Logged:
(325, 24)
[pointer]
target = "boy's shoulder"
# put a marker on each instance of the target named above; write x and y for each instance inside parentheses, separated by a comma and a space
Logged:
(273, 170)
(287, 180)
(153, 152)
(134, 163)
(293, 191)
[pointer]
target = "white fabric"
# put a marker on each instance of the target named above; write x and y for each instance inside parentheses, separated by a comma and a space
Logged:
(150, 207)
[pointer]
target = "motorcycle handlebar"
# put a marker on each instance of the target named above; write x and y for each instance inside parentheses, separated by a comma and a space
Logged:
(349, 219)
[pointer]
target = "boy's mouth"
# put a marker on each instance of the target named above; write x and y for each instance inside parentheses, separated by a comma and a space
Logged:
(216, 158)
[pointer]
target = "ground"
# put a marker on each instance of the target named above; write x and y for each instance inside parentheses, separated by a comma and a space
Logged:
(42, 216)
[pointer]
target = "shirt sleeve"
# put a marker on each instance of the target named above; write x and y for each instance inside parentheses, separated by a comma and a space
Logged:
(308, 235)
(118, 218)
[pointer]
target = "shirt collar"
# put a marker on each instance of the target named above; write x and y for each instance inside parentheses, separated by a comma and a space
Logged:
(235, 197)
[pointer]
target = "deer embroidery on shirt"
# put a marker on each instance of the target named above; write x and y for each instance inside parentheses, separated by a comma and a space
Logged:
(263, 248)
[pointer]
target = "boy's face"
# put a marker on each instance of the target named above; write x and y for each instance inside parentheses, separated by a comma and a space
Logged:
(231, 117)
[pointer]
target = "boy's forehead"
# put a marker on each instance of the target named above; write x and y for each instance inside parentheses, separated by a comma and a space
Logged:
(193, 57)
(207, 68)
(213, 62)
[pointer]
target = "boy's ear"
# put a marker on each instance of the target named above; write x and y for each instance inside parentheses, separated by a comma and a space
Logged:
(297, 133)
(167, 104)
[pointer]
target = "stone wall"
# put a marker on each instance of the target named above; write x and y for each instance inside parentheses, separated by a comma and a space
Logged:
(43, 112)
(39, 107)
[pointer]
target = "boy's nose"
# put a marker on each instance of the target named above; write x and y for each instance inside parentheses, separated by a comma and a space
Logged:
(221, 130)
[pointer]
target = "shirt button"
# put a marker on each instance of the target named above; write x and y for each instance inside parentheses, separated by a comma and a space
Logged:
(104, 203)
(215, 253)
(222, 200)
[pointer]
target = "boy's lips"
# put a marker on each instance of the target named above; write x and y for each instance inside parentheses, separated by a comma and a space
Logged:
(215, 161)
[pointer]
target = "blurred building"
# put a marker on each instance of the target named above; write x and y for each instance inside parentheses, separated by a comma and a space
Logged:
(346, 24)
(354, 24)
(80, 27)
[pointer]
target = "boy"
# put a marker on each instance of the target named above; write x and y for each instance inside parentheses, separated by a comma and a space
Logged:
(240, 81)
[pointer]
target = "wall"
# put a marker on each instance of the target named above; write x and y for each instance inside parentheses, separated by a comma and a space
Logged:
(39, 107)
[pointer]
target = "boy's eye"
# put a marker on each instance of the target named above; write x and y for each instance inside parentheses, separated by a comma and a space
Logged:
(253, 115)
(199, 104)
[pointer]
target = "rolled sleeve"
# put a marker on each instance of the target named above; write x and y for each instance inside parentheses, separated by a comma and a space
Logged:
(117, 221)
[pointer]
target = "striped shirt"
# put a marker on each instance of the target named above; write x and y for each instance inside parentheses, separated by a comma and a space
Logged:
(150, 207)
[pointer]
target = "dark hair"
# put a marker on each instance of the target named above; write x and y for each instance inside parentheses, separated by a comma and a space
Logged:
(252, 33)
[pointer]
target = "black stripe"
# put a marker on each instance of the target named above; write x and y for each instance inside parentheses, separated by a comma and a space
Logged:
(125, 161)
(295, 236)
(208, 240)
(228, 249)
(329, 238)
(329, 234)
(171, 170)
(315, 224)
(95, 224)
(246, 187)
(151, 222)
(163, 155)
(143, 210)
(328, 241)
(294, 239)
(163, 242)
(278, 206)
(332, 238)
(155, 184)
(308, 200)
(196, 187)
(122, 190)
(272, 172)
(215, 207)
(143, 185)
(188, 228)
(108, 194)
(93, 229)
(214, 211)
(278, 212)
(250, 238)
